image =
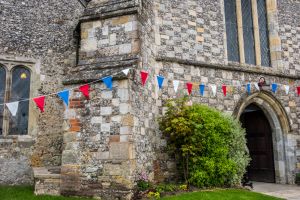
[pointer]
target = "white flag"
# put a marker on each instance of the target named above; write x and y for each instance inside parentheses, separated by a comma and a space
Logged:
(287, 89)
(126, 71)
(256, 86)
(176, 85)
(13, 108)
(214, 89)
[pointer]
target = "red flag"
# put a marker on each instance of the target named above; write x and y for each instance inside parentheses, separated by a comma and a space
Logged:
(85, 90)
(144, 76)
(189, 88)
(40, 102)
(224, 88)
(298, 90)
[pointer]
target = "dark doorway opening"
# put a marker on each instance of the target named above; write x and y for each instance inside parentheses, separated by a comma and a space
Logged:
(260, 145)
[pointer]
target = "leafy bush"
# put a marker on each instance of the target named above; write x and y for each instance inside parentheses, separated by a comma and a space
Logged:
(209, 146)
(153, 195)
(166, 188)
(297, 179)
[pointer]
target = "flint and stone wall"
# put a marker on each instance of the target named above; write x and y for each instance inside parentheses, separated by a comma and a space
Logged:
(102, 143)
(39, 35)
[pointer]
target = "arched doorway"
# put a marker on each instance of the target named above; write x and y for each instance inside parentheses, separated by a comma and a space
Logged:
(260, 145)
(283, 152)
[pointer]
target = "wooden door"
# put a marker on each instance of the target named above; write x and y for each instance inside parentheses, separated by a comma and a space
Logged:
(259, 142)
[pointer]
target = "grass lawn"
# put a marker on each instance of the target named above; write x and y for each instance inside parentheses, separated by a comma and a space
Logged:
(230, 194)
(26, 193)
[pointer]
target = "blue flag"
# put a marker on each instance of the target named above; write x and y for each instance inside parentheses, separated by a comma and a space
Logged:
(160, 80)
(249, 88)
(108, 82)
(274, 87)
(202, 88)
(64, 95)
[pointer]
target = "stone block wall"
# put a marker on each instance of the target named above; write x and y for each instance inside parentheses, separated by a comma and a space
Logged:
(185, 41)
(289, 18)
(15, 161)
(39, 35)
(191, 30)
(98, 157)
(103, 142)
(109, 39)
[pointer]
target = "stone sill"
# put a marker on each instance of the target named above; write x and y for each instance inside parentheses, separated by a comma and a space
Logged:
(92, 72)
(44, 173)
(13, 138)
(230, 67)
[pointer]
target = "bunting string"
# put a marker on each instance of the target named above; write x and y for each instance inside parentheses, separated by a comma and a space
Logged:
(70, 89)
(144, 76)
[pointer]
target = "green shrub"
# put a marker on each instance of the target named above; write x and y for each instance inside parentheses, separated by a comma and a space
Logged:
(209, 146)
(166, 188)
(153, 195)
(297, 181)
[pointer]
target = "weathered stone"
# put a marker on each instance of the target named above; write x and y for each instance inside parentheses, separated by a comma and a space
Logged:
(100, 143)
(120, 151)
(106, 111)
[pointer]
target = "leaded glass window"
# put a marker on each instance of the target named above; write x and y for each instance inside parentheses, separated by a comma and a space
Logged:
(14, 87)
(2, 95)
(249, 48)
(20, 90)
(247, 31)
(231, 30)
(263, 32)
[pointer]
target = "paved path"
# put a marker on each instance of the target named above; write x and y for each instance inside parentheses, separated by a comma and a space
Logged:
(290, 192)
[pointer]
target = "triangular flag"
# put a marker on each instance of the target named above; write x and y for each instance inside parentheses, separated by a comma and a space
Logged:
(249, 88)
(298, 91)
(230, 89)
(214, 89)
(85, 90)
(13, 108)
(202, 88)
(64, 95)
(256, 86)
(274, 87)
(40, 102)
(287, 89)
(108, 82)
(224, 88)
(160, 80)
(176, 85)
(144, 76)
(126, 71)
(189, 87)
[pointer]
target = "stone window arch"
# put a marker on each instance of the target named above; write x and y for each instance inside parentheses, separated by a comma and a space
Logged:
(248, 38)
(19, 91)
(15, 81)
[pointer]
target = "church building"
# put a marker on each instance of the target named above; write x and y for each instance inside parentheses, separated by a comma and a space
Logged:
(244, 53)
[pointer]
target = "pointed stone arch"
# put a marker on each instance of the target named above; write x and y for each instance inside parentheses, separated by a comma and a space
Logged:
(284, 158)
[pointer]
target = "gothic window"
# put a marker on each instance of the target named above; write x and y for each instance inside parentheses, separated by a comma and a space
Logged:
(14, 86)
(263, 33)
(20, 89)
(231, 30)
(247, 31)
(2, 94)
